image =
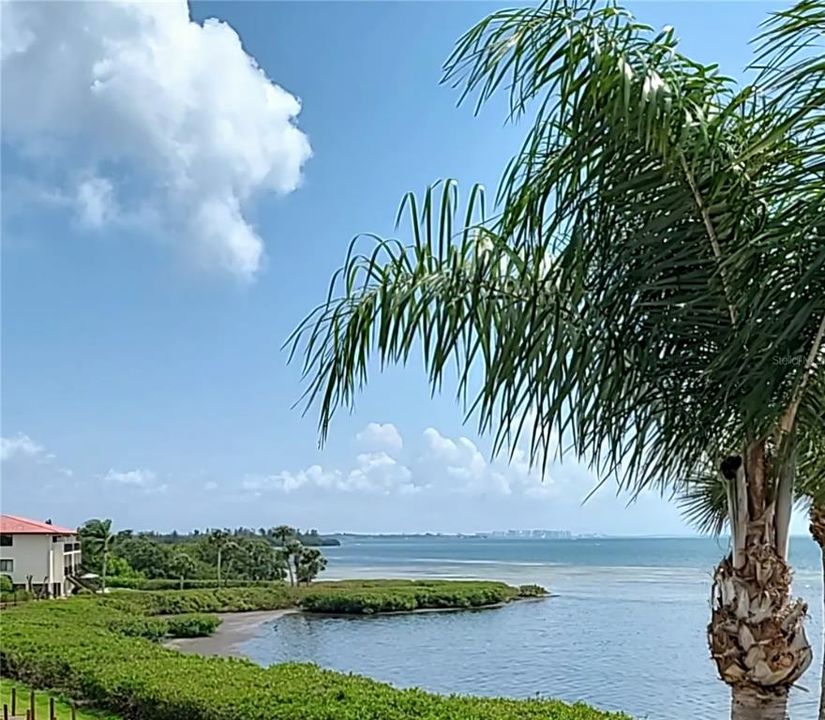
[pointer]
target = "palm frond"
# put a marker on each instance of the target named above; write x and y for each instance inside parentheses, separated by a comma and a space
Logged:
(704, 503)
(648, 264)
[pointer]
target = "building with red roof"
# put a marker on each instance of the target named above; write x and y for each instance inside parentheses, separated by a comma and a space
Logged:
(38, 555)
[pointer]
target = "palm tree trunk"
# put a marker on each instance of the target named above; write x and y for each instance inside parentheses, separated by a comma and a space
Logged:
(219, 567)
(181, 582)
(748, 704)
(756, 632)
(817, 528)
(103, 571)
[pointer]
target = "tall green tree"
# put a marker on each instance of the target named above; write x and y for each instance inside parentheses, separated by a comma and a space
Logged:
(282, 533)
(309, 563)
(292, 552)
(221, 541)
(650, 285)
(182, 565)
(285, 536)
(98, 538)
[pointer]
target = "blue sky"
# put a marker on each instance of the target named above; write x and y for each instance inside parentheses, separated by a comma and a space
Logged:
(169, 216)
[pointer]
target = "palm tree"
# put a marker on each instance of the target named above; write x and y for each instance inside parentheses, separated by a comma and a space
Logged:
(309, 563)
(650, 286)
(182, 565)
(221, 540)
(292, 552)
(99, 536)
(286, 538)
(282, 533)
(705, 504)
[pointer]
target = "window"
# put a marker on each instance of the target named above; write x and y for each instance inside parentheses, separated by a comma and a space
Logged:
(6, 566)
(6, 540)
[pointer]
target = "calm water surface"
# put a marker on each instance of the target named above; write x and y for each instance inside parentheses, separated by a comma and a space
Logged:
(626, 630)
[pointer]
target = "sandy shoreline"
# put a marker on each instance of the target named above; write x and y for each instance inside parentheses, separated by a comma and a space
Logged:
(235, 629)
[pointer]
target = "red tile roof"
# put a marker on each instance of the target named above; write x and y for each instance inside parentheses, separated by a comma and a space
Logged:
(13, 525)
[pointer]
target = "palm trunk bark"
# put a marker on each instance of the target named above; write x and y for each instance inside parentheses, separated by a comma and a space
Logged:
(817, 528)
(756, 632)
(748, 704)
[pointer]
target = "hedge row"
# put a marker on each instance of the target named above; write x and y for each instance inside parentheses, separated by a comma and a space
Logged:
(186, 625)
(72, 645)
(404, 595)
(130, 583)
(175, 602)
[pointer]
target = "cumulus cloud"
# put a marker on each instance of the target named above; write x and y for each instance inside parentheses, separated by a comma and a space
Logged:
(381, 436)
(447, 466)
(139, 478)
(372, 473)
(464, 464)
(467, 470)
(19, 445)
(31, 475)
(139, 110)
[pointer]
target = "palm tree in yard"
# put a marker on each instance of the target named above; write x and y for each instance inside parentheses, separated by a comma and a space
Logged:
(650, 286)
(98, 534)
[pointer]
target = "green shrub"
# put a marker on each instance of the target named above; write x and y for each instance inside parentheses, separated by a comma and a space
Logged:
(176, 602)
(73, 645)
(383, 596)
(136, 583)
(527, 591)
(16, 596)
(139, 626)
(6, 584)
(192, 625)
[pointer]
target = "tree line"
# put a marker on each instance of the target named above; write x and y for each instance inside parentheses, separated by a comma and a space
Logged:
(215, 554)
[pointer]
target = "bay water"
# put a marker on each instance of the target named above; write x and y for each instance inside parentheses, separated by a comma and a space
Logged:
(625, 629)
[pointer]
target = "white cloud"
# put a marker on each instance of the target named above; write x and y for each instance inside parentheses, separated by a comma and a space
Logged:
(468, 471)
(465, 466)
(19, 445)
(95, 202)
(448, 466)
(139, 109)
(378, 472)
(145, 480)
(32, 477)
(371, 473)
(381, 436)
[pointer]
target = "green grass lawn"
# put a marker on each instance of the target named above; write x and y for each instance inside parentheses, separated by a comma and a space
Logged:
(62, 709)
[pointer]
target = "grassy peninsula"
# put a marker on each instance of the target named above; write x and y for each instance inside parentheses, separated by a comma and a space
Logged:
(105, 651)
